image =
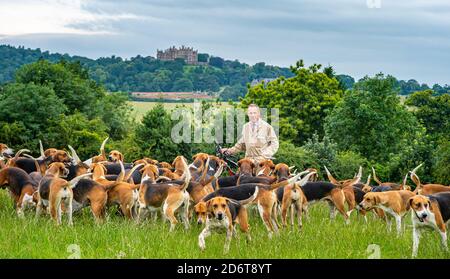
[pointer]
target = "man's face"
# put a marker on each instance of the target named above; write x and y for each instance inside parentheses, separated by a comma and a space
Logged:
(253, 114)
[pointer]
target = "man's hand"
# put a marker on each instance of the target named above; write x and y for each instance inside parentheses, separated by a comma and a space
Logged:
(225, 151)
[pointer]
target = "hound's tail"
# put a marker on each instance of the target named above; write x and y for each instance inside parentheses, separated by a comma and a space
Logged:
(130, 173)
(283, 183)
(102, 149)
(250, 199)
(375, 177)
(73, 182)
(187, 175)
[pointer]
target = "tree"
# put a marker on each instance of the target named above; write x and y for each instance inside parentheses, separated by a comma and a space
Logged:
(371, 120)
(203, 57)
(432, 112)
(216, 62)
(153, 136)
(346, 81)
(83, 134)
(73, 87)
(115, 112)
(408, 87)
(15, 134)
(30, 107)
(183, 84)
(440, 169)
(68, 80)
(303, 101)
(233, 92)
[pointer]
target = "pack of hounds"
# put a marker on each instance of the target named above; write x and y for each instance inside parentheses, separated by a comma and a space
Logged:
(59, 182)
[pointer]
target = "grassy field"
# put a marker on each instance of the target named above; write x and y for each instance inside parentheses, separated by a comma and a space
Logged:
(140, 108)
(118, 238)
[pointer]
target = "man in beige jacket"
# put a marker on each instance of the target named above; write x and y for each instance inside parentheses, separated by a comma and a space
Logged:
(258, 138)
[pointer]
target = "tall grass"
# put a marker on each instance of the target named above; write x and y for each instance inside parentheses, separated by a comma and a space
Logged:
(119, 238)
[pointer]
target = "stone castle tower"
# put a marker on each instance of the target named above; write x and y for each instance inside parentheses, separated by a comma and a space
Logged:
(187, 53)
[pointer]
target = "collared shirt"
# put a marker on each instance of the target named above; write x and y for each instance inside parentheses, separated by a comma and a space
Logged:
(258, 140)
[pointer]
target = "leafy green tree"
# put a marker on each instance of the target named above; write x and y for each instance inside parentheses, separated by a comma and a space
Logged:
(299, 157)
(83, 134)
(203, 57)
(439, 90)
(233, 92)
(432, 112)
(72, 86)
(162, 80)
(440, 169)
(216, 62)
(32, 107)
(115, 112)
(153, 136)
(15, 134)
(346, 81)
(303, 101)
(347, 163)
(69, 81)
(183, 85)
(324, 150)
(371, 120)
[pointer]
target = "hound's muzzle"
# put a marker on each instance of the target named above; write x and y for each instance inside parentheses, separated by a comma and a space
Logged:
(220, 216)
(8, 153)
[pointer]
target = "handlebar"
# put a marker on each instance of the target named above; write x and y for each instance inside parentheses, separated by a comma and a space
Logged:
(229, 159)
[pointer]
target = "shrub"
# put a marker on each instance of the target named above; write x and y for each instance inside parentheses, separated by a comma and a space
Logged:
(347, 164)
(293, 155)
(441, 164)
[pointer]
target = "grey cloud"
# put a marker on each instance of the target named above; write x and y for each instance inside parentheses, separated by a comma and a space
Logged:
(409, 39)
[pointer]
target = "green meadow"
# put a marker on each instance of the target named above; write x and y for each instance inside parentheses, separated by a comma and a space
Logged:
(119, 238)
(141, 108)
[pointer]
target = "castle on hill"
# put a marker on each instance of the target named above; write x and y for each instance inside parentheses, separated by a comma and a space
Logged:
(189, 55)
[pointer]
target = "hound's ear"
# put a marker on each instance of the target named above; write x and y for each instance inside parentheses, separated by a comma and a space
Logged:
(377, 199)
(142, 169)
(120, 156)
(209, 205)
(410, 201)
(429, 204)
(239, 163)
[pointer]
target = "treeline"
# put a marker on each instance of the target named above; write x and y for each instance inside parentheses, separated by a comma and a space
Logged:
(225, 78)
(140, 73)
(320, 122)
(59, 104)
(406, 87)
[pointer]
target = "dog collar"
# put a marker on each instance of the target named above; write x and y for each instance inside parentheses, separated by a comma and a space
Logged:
(420, 219)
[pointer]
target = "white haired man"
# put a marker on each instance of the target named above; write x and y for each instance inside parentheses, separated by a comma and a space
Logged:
(258, 138)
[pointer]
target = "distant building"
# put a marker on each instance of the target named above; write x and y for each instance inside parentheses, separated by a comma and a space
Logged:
(187, 53)
(175, 96)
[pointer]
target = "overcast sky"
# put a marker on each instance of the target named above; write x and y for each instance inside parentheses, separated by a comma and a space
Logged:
(405, 38)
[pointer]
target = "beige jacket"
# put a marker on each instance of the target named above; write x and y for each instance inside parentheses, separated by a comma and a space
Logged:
(260, 144)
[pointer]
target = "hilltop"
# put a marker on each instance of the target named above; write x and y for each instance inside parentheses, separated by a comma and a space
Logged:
(229, 78)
